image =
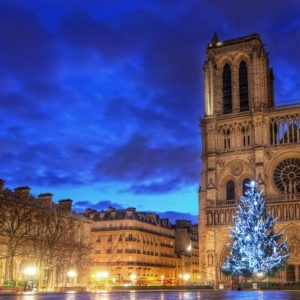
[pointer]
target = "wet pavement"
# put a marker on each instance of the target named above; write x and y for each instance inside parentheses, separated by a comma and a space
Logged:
(163, 295)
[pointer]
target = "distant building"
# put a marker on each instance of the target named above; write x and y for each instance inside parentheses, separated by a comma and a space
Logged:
(186, 247)
(138, 248)
(244, 137)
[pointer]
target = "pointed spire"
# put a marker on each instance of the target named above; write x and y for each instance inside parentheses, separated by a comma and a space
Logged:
(215, 39)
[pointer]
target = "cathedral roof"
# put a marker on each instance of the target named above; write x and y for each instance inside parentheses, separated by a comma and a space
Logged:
(216, 44)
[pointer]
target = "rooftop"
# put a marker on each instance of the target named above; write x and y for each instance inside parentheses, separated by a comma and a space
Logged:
(217, 43)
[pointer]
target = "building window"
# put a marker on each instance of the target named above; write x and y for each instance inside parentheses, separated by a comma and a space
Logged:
(230, 190)
(243, 84)
(227, 94)
(246, 182)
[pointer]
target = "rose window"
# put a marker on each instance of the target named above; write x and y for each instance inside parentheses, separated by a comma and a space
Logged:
(287, 175)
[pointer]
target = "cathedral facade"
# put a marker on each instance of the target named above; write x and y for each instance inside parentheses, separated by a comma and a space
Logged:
(245, 137)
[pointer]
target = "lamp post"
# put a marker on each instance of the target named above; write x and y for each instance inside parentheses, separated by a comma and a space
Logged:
(133, 278)
(71, 274)
(102, 275)
(190, 260)
(29, 273)
(186, 277)
(162, 278)
(260, 275)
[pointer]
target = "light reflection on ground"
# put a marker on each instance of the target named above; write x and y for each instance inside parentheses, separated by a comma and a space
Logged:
(165, 295)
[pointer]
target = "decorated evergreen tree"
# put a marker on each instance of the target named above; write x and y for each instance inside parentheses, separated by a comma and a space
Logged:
(255, 248)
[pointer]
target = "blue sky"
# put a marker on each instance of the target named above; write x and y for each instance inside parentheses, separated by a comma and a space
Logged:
(99, 100)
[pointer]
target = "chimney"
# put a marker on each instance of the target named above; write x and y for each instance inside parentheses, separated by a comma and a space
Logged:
(23, 191)
(2, 185)
(46, 199)
(65, 204)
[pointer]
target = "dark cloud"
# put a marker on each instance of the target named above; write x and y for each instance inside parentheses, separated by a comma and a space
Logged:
(137, 161)
(156, 187)
(100, 205)
(27, 47)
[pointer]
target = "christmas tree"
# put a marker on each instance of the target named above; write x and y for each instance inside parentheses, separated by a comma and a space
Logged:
(255, 248)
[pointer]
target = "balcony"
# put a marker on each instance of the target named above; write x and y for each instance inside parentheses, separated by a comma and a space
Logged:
(282, 207)
(131, 239)
(269, 199)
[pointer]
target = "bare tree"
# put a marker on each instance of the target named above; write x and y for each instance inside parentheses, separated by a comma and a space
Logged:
(15, 222)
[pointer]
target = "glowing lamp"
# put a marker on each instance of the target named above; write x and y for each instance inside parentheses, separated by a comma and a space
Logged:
(101, 275)
(260, 274)
(30, 271)
(132, 277)
(71, 274)
(186, 277)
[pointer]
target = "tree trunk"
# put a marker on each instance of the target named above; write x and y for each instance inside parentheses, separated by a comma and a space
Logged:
(9, 267)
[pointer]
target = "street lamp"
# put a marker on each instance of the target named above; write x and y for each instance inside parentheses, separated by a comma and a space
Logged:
(30, 271)
(71, 274)
(29, 274)
(133, 277)
(186, 277)
(162, 278)
(102, 275)
(260, 274)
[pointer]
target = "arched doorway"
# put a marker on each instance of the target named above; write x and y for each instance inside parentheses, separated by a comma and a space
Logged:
(224, 281)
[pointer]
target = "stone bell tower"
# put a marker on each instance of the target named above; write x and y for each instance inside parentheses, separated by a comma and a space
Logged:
(243, 137)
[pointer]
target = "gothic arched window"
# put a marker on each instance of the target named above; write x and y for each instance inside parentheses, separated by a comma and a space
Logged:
(243, 83)
(227, 95)
(286, 176)
(246, 182)
(230, 190)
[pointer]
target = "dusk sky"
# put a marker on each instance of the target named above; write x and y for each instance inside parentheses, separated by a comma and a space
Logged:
(100, 100)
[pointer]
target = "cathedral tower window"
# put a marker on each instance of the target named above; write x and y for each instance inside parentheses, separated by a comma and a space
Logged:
(243, 85)
(230, 190)
(227, 139)
(245, 137)
(227, 94)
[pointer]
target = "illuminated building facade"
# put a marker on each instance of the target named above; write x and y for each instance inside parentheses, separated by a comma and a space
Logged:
(245, 136)
(43, 245)
(136, 248)
(186, 247)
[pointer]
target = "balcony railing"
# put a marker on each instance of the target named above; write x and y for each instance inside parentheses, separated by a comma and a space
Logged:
(269, 199)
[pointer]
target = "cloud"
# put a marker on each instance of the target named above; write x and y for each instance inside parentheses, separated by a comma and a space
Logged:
(100, 205)
(155, 186)
(137, 161)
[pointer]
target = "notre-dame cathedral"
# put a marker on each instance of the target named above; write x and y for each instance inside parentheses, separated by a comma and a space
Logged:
(245, 136)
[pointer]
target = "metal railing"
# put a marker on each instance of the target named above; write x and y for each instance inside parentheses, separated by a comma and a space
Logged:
(269, 199)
